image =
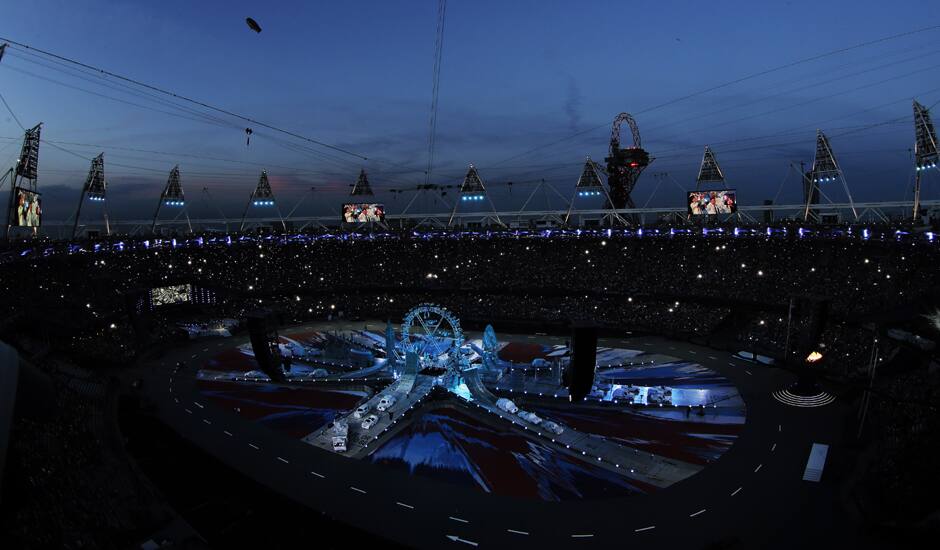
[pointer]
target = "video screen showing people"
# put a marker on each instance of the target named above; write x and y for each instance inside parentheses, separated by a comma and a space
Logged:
(712, 202)
(363, 212)
(166, 295)
(27, 208)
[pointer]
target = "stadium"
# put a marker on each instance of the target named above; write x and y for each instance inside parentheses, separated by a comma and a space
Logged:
(446, 364)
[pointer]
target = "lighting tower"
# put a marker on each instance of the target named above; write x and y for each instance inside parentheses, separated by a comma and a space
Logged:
(624, 165)
(262, 196)
(25, 174)
(825, 169)
(172, 196)
(472, 190)
(925, 149)
(362, 186)
(95, 189)
(709, 173)
(589, 185)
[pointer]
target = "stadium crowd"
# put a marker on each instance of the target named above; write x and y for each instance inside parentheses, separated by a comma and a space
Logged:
(96, 309)
(682, 285)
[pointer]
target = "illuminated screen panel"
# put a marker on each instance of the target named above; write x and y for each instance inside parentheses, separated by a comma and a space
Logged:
(363, 212)
(166, 295)
(27, 208)
(712, 202)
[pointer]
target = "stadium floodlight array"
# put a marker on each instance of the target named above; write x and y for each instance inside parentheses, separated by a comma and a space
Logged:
(262, 203)
(172, 195)
(95, 188)
(709, 172)
(589, 184)
(362, 186)
(472, 190)
(825, 167)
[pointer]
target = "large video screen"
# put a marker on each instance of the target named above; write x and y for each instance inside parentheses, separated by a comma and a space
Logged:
(712, 202)
(166, 295)
(27, 208)
(363, 212)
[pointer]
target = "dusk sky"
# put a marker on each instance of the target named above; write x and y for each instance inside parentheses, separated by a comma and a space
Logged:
(515, 76)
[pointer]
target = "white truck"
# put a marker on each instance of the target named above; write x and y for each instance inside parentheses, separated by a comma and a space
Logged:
(507, 405)
(339, 431)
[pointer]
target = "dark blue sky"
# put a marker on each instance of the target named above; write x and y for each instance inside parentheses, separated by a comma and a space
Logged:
(515, 76)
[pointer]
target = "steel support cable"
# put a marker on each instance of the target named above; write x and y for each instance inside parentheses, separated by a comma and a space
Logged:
(120, 87)
(187, 99)
(435, 86)
(727, 84)
(790, 91)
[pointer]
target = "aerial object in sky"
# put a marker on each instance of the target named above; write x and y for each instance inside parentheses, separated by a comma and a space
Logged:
(248, 133)
(252, 24)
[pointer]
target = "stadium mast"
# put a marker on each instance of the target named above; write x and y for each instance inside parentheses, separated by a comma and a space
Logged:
(262, 196)
(709, 172)
(589, 185)
(473, 190)
(26, 169)
(95, 189)
(172, 196)
(362, 187)
(925, 149)
(624, 165)
(825, 169)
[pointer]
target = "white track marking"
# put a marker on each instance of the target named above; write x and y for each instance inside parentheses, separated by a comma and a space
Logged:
(758, 468)
(736, 491)
(644, 528)
(702, 511)
(518, 532)
(255, 447)
(228, 433)
(319, 475)
(461, 520)
(283, 460)
(403, 505)
(357, 489)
